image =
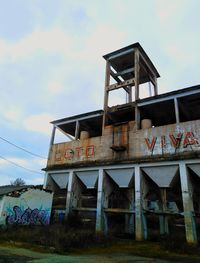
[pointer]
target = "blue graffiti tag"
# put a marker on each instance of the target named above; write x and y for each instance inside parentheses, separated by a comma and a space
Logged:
(28, 217)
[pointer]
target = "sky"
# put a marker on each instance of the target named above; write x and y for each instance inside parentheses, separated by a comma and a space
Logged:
(51, 63)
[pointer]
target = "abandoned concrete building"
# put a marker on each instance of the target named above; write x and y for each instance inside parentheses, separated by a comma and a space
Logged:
(133, 167)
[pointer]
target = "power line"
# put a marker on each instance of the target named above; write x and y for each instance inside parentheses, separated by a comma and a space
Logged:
(37, 155)
(27, 169)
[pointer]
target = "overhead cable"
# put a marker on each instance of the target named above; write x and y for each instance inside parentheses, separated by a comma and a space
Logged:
(27, 169)
(34, 154)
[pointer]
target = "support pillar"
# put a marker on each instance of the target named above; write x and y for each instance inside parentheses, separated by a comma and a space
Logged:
(45, 180)
(106, 92)
(137, 117)
(129, 224)
(52, 140)
(77, 130)
(100, 213)
(176, 110)
(190, 226)
(163, 221)
(69, 194)
(155, 86)
(139, 220)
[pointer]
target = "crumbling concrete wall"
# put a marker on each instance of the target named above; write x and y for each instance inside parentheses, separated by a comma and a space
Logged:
(32, 206)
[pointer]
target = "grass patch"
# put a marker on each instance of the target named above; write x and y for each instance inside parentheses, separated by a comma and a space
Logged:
(73, 237)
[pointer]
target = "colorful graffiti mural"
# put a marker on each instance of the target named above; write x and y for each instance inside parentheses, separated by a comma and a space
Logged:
(28, 216)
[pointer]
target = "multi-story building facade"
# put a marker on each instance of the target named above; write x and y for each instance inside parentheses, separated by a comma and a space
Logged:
(135, 164)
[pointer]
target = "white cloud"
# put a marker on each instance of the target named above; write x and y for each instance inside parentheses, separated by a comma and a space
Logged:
(54, 87)
(54, 40)
(103, 40)
(12, 114)
(39, 123)
(19, 161)
(35, 180)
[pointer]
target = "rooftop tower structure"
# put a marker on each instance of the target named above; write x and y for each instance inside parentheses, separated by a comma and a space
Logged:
(129, 67)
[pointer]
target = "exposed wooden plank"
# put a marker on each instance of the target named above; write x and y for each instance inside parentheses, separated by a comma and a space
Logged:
(122, 84)
(119, 210)
(84, 209)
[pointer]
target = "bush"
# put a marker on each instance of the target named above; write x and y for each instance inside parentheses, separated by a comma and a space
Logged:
(56, 236)
(178, 244)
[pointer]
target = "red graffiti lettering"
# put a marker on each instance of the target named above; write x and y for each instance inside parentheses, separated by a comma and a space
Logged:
(175, 140)
(58, 156)
(189, 139)
(163, 142)
(90, 151)
(151, 144)
(69, 154)
(79, 151)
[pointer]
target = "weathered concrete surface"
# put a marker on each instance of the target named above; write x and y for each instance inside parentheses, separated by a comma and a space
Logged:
(25, 255)
(153, 143)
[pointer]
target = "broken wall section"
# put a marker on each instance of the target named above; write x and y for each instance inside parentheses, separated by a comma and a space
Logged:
(26, 207)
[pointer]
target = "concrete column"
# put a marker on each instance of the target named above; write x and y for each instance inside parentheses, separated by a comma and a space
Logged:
(77, 130)
(176, 110)
(99, 213)
(139, 220)
(45, 181)
(52, 140)
(190, 226)
(129, 224)
(129, 218)
(163, 221)
(53, 135)
(69, 194)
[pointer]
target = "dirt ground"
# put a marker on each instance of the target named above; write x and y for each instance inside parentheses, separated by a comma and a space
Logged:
(24, 255)
(21, 255)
